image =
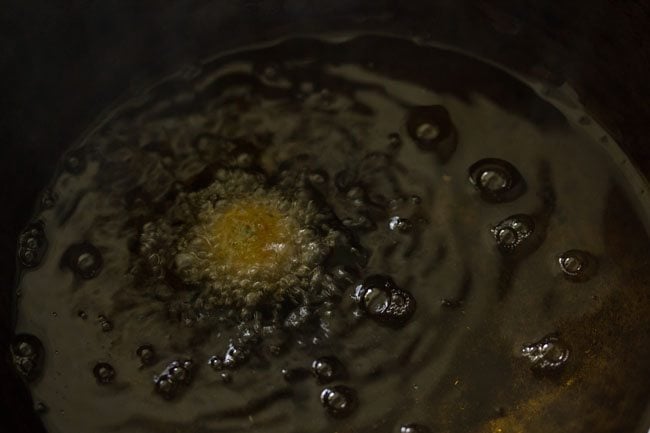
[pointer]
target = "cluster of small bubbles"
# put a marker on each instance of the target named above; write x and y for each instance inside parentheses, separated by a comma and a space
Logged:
(414, 428)
(75, 161)
(176, 375)
(28, 354)
(249, 333)
(577, 265)
(105, 324)
(328, 369)
(548, 355)
(236, 355)
(104, 373)
(295, 375)
(339, 401)
(251, 244)
(32, 245)
(298, 318)
(146, 354)
(514, 233)
(48, 199)
(84, 259)
(400, 224)
(432, 130)
(497, 180)
(381, 299)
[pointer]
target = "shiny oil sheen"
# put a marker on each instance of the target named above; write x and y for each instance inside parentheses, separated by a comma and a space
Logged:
(464, 195)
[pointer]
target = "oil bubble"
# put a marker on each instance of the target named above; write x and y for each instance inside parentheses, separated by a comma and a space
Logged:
(177, 374)
(235, 356)
(384, 301)
(84, 259)
(571, 265)
(105, 324)
(497, 180)
(226, 377)
(514, 234)
(165, 386)
(427, 131)
(339, 401)
(75, 162)
(104, 373)
(328, 369)
(414, 428)
(577, 265)
(432, 130)
(548, 355)
(216, 363)
(400, 224)
(32, 245)
(147, 354)
(27, 354)
(298, 318)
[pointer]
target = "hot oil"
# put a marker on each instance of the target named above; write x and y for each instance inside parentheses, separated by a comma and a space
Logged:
(441, 250)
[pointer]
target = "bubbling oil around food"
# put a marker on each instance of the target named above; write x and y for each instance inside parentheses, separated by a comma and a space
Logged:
(360, 235)
(241, 243)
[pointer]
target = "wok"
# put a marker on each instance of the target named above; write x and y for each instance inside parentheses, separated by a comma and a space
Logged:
(64, 62)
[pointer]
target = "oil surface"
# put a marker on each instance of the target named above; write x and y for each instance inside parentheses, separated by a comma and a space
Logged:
(362, 235)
